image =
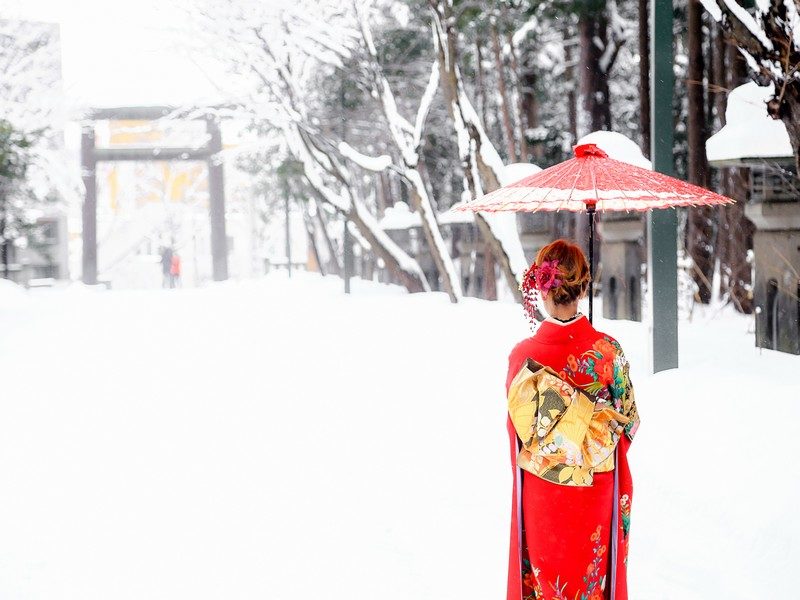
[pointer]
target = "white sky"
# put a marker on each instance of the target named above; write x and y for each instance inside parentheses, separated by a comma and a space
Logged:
(121, 52)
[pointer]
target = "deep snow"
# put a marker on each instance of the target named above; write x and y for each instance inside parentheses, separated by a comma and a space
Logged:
(278, 440)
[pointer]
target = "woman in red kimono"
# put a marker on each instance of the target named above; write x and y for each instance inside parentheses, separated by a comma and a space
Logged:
(572, 416)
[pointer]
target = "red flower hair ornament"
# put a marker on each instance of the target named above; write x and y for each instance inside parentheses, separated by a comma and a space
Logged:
(541, 278)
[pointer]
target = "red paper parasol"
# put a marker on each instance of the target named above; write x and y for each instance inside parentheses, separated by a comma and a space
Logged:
(594, 182)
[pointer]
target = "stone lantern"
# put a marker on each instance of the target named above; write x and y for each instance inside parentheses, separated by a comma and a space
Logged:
(622, 252)
(776, 289)
(753, 140)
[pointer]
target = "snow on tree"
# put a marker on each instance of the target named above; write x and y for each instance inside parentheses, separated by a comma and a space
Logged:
(602, 31)
(33, 115)
(407, 141)
(482, 165)
(273, 54)
(770, 42)
(14, 164)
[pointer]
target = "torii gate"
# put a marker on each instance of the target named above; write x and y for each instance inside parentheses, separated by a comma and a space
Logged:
(91, 155)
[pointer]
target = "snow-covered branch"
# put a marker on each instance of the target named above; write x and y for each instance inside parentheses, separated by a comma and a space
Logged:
(399, 127)
(274, 55)
(770, 43)
(619, 32)
(522, 32)
(370, 163)
(742, 23)
(408, 146)
(482, 164)
(425, 104)
(32, 103)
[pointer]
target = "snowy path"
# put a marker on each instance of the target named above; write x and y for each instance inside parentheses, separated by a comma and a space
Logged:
(281, 441)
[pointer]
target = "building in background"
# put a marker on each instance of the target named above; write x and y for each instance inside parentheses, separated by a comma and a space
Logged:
(45, 258)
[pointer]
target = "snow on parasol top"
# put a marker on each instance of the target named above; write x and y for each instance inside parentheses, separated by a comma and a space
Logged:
(594, 179)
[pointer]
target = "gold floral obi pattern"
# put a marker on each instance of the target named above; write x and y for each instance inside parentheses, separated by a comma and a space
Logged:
(567, 433)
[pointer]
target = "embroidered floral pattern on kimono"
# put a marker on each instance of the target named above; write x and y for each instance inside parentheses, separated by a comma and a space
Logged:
(625, 520)
(608, 368)
(593, 582)
(625, 514)
(530, 582)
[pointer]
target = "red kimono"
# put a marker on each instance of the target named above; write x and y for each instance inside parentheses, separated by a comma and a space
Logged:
(566, 529)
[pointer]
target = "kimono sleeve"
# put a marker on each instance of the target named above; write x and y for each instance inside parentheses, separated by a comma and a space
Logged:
(624, 397)
(516, 359)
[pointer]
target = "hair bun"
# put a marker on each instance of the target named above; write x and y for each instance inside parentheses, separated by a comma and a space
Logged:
(572, 268)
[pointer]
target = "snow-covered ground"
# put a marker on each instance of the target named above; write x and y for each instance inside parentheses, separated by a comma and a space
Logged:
(278, 440)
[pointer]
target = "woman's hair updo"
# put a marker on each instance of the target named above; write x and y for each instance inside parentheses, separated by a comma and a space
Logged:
(572, 269)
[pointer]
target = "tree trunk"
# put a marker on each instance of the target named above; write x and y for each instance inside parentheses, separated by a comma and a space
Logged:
(311, 232)
(383, 192)
(4, 249)
(505, 110)
(480, 84)
(709, 88)
(396, 261)
(696, 132)
(701, 218)
(529, 110)
(590, 114)
(332, 184)
(333, 264)
(518, 102)
(489, 278)
(738, 240)
(409, 149)
(701, 249)
(644, 75)
(433, 236)
(735, 228)
(595, 100)
(572, 96)
(370, 230)
(719, 90)
(479, 176)
(790, 115)
(500, 257)
(742, 228)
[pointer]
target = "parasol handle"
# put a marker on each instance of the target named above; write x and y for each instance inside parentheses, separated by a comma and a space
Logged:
(590, 208)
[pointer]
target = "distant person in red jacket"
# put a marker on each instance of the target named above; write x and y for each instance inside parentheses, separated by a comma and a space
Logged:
(175, 270)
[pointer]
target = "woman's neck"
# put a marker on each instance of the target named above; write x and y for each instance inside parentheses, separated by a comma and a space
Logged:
(564, 312)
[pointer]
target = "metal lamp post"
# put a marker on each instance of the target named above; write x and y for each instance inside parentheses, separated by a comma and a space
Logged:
(662, 225)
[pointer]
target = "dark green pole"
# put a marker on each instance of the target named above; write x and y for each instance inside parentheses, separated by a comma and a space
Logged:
(662, 225)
